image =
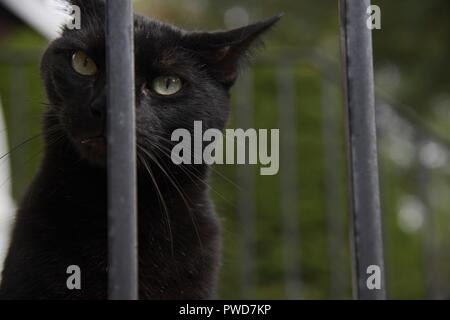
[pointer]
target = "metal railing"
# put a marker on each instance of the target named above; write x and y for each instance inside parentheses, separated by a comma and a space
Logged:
(362, 157)
(121, 138)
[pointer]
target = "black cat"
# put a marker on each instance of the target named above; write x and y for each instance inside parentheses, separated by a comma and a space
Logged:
(180, 77)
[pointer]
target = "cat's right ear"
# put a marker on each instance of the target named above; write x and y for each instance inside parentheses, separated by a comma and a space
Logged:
(226, 52)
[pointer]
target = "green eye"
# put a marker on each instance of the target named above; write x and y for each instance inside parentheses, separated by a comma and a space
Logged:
(83, 65)
(167, 85)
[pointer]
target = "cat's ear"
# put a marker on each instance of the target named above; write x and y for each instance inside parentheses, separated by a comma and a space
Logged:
(225, 52)
(90, 10)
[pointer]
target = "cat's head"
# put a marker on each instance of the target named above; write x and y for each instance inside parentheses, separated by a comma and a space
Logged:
(181, 77)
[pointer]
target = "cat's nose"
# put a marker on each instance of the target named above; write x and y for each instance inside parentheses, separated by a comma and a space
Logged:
(97, 108)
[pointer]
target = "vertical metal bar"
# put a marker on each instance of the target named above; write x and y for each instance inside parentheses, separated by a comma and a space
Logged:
(333, 201)
(362, 147)
(122, 217)
(246, 196)
(423, 177)
(289, 180)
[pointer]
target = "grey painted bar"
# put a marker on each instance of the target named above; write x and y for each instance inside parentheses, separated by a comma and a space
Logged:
(122, 217)
(367, 244)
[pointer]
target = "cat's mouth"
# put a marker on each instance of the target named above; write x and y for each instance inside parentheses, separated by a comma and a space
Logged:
(95, 142)
(93, 148)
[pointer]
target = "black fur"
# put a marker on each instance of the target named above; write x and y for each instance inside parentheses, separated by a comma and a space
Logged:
(62, 218)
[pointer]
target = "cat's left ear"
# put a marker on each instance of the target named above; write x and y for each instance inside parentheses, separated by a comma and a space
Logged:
(92, 11)
(89, 7)
(225, 52)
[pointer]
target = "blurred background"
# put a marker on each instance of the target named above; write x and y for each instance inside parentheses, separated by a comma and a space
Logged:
(286, 236)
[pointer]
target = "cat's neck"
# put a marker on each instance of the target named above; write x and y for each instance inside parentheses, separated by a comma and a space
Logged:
(66, 175)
